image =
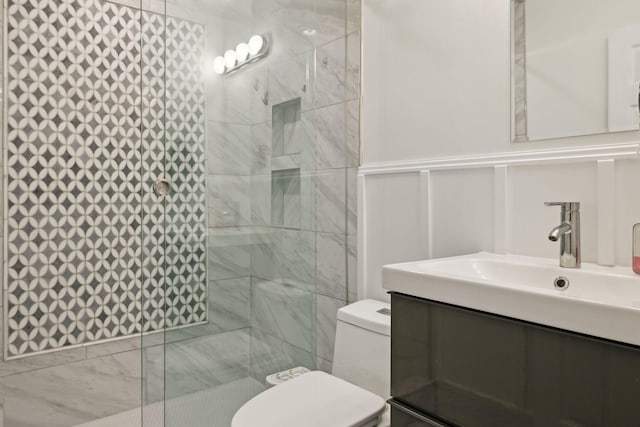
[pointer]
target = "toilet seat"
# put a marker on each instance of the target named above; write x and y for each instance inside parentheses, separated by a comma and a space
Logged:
(316, 399)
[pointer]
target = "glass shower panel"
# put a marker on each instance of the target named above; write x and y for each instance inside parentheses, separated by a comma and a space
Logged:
(209, 345)
(153, 100)
(280, 157)
(74, 162)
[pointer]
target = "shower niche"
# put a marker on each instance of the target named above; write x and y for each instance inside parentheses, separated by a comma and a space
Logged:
(287, 141)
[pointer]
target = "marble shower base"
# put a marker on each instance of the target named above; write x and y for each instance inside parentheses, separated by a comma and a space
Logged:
(211, 408)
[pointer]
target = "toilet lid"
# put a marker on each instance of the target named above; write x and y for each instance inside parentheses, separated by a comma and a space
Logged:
(316, 399)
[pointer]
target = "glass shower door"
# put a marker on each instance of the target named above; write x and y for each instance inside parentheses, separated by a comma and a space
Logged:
(260, 270)
(75, 161)
(279, 159)
(175, 288)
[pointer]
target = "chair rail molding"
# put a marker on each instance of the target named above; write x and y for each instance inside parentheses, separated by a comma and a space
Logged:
(557, 155)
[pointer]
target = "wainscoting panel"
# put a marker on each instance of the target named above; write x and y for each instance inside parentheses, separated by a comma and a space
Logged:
(454, 206)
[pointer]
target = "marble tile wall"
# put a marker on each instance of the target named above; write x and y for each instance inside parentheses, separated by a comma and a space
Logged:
(273, 291)
(519, 53)
(207, 356)
(308, 267)
(276, 245)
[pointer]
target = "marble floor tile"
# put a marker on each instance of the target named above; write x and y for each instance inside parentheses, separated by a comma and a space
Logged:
(153, 383)
(202, 363)
(71, 394)
(213, 407)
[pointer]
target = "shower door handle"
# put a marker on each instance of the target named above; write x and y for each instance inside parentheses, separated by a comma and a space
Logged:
(161, 187)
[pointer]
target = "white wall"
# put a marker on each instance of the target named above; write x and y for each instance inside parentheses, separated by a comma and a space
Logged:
(435, 78)
(436, 87)
(436, 81)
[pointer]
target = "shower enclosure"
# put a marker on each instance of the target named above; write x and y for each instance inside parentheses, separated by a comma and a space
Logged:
(124, 304)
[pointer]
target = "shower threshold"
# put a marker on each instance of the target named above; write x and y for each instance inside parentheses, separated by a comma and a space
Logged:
(211, 408)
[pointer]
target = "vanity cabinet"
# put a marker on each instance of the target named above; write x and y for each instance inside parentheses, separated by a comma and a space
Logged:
(461, 367)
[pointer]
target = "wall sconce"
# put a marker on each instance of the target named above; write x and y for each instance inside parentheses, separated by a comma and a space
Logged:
(243, 55)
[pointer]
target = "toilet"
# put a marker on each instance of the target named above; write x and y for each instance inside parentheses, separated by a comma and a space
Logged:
(352, 396)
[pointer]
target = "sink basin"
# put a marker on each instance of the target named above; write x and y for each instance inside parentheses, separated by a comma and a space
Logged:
(595, 300)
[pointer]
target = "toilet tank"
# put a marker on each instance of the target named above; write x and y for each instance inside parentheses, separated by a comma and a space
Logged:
(362, 353)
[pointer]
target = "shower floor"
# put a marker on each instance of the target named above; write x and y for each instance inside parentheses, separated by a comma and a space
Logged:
(211, 408)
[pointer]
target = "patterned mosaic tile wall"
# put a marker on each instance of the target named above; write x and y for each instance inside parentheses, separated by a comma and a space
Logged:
(91, 253)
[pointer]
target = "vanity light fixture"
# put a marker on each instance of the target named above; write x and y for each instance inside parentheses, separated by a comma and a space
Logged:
(243, 55)
(230, 58)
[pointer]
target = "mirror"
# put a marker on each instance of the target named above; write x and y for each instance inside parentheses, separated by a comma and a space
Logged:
(575, 67)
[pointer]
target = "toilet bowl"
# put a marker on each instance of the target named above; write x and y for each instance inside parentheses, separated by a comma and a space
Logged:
(352, 396)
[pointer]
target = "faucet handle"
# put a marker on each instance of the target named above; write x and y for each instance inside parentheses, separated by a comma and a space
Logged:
(565, 206)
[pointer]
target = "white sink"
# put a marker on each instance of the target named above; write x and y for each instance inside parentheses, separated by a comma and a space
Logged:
(599, 301)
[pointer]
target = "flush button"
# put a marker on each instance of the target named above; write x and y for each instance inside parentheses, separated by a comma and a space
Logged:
(384, 311)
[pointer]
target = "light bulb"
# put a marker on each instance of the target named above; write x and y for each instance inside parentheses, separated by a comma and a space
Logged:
(256, 43)
(230, 58)
(242, 52)
(219, 65)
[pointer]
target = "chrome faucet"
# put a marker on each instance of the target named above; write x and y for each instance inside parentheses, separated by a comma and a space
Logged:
(568, 232)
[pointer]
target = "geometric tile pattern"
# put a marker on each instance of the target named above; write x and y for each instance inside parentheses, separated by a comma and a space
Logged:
(102, 100)
(174, 117)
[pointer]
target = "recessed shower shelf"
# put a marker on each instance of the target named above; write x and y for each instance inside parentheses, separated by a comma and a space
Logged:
(285, 198)
(286, 128)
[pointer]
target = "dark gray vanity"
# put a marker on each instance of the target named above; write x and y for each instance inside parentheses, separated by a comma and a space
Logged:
(454, 366)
